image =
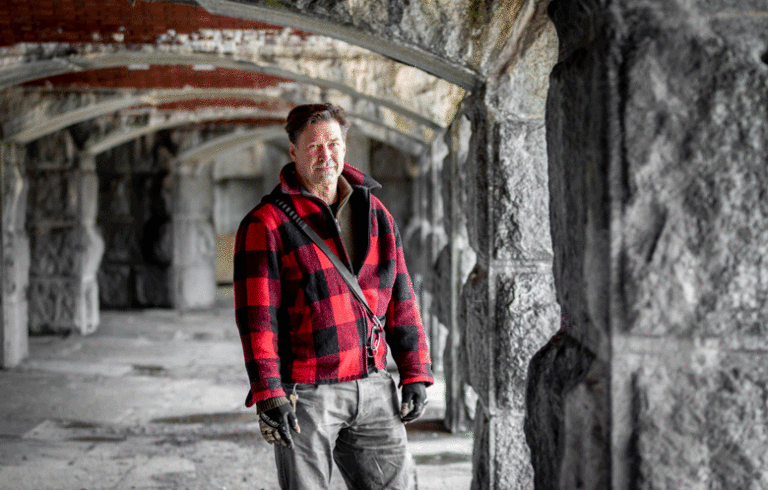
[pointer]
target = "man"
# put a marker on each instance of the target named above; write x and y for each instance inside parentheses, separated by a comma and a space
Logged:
(312, 350)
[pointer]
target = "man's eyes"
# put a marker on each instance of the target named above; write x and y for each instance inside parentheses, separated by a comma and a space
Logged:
(333, 144)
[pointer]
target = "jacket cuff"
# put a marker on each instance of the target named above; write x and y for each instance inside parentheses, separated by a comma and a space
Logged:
(427, 380)
(271, 403)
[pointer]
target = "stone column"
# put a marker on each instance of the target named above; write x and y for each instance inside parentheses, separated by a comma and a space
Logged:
(509, 301)
(66, 248)
(658, 135)
(194, 238)
(452, 268)
(14, 250)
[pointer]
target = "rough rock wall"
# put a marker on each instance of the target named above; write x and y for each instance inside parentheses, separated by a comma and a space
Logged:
(193, 250)
(66, 247)
(508, 302)
(135, 218)
(14, 256)
(452, 263)
(656, 124)
(476, 34)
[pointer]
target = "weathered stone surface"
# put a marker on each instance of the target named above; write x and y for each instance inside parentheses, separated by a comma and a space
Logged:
(475, 314)
(122, 242)
(194, 242)
(479, 182)
(66, 248)
(54, 152)
(56, 253)
(520, 195)
(748, 7)
(440, 281)
(53, 304)
(501, 458)
(134, 217)
(194, 193)
(115, 286)
(554, 370)
(467, 32)
(526, 316)
(456, 177)
(63, 292)
(195, 287)
(15, 257)
(233, 199)
(703, 427)
(586, 441)
(696, 220)
(578, 170)
(512, 463)
(152, 286)
(522, 91)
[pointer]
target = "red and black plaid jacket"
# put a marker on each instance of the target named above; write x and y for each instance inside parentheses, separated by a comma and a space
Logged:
(298, 320)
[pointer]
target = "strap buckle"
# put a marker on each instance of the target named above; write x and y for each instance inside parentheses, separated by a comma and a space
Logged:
(376, 333)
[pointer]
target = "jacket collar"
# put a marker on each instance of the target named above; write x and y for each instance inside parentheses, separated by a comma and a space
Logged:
(289, 181)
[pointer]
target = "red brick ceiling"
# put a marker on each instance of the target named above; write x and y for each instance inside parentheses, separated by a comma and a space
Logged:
(159, 76)
(253, 123)
(134, 22)
(190, 105)
(106, 21)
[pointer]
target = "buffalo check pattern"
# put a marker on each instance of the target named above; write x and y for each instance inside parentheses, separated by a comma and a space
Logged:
(297, 318)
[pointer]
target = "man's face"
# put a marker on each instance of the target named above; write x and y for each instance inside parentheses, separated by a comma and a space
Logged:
(319, 156)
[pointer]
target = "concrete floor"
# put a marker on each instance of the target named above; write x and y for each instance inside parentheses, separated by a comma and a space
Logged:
(154, 400)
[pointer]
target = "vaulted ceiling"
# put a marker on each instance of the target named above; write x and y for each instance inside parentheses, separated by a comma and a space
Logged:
(137, 67)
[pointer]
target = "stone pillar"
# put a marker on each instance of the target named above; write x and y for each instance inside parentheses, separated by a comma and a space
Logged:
(14, 249)
(438, 238)
(451, 270)
(657, 127)
(194, 238)
(66, 248)
(509, 303)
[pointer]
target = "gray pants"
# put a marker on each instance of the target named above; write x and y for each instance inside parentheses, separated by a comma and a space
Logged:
(357, 425)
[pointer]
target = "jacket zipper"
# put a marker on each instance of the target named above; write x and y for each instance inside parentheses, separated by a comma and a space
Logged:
(363, 333)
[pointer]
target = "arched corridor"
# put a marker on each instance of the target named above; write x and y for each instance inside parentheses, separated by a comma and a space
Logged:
(581, 187)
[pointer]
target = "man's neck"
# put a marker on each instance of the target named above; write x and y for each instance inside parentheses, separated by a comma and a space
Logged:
(327, 194)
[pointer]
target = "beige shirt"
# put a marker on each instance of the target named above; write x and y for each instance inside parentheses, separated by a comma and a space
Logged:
(344, 218)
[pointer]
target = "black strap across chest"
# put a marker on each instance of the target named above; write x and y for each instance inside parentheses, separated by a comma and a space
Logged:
(346, 274)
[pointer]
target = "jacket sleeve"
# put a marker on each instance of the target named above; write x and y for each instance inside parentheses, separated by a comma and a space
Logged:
(405, 331)
(257, 299)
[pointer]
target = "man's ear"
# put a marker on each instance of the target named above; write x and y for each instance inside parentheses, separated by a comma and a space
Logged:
(292, 151)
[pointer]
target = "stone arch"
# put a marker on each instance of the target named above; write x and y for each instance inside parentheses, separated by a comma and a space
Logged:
(370, 71)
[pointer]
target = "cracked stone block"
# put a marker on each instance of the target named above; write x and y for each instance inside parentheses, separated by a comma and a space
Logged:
(501, 457)
(703, 427)
(527, 316)
(520, 193)
(696, 218)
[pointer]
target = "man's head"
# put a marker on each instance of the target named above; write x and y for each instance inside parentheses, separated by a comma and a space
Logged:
(318, 135)
(302, 115)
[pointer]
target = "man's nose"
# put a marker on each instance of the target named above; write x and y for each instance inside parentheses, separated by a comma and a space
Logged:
(325, 152)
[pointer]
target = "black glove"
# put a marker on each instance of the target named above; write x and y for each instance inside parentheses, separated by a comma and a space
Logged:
(275, 424)
(414, 402)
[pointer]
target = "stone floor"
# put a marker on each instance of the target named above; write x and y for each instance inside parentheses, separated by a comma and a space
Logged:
(154, 400)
